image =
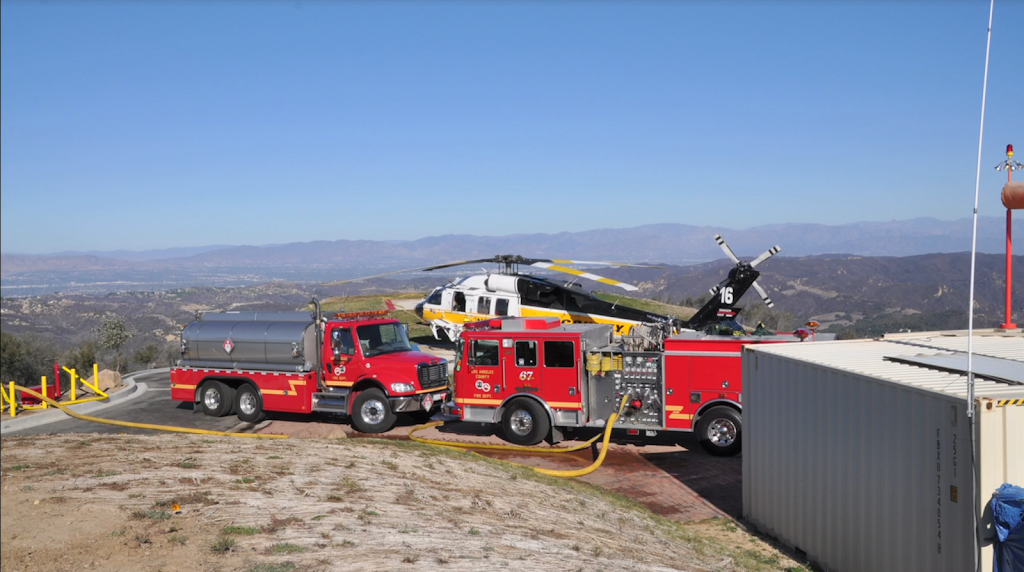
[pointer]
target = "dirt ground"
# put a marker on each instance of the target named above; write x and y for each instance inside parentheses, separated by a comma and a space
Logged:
(91, 502)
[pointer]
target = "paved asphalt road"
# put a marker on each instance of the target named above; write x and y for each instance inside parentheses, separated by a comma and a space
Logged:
(154, 406)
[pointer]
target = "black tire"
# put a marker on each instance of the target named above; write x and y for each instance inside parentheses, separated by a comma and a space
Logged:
(216, 399)
(249, 404)
(371, 412)
(720, 431)
(525, 422)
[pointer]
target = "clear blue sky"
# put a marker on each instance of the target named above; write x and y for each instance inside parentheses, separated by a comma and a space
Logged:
(142, 125)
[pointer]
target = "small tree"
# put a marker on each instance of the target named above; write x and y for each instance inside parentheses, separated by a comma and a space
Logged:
(146, 355)
(113, 334)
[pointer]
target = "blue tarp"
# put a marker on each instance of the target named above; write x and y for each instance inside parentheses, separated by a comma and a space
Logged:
(1008, 518)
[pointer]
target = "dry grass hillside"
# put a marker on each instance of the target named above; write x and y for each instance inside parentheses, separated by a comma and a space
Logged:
(87, 502)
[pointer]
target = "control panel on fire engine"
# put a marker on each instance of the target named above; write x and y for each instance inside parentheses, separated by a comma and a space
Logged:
(640, 377)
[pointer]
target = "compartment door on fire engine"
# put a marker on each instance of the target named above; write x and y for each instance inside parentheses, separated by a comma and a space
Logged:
(343, 370)
(523, 373)
(561, 374)
(483, 363)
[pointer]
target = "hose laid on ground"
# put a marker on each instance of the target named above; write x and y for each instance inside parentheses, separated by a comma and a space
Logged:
(607, 435)
(170, 428)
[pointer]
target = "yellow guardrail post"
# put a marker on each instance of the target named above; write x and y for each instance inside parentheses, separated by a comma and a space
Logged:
(42, 385)
(74, 393)
(14, 405)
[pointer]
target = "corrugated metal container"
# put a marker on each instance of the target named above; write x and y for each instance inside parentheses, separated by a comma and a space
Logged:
(864, 463)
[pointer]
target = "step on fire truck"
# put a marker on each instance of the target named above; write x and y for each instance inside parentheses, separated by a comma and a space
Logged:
(359, 364)
(539, 378)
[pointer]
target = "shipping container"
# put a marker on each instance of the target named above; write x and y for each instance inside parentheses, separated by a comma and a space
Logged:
(859, 453)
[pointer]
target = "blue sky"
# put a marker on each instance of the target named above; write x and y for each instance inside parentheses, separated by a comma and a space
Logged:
(142, 125)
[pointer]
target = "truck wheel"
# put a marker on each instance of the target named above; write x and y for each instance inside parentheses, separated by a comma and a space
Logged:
(215, 399)
(720, 431)
(525, 422)
(248, 404)
(371, 412)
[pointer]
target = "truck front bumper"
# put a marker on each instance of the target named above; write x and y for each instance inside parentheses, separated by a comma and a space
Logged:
(423, 402)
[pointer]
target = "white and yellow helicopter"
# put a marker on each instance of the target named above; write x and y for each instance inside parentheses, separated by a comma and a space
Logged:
(510, 293)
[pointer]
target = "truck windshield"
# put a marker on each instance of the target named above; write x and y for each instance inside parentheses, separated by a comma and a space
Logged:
(379, 339)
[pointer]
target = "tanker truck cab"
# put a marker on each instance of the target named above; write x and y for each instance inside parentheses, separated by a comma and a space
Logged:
(360, 364)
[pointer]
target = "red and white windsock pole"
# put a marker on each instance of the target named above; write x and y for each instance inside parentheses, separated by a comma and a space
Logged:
(1013, 198)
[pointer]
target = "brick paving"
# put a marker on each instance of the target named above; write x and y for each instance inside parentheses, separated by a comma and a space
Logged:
(682, 483)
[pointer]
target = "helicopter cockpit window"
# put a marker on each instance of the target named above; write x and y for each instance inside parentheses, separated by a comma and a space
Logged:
(559, 354)
(459, 302)
(483, 352)
(435, 297)
(501, 306)
(483, 305)
(526, 354)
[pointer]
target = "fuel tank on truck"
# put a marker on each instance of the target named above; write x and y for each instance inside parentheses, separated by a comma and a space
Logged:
(275, 341)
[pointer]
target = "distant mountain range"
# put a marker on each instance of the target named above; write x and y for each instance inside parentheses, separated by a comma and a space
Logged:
(320, 261)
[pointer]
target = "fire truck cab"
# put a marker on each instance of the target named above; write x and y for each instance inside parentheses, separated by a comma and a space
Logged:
(358, 364)
(538, 377)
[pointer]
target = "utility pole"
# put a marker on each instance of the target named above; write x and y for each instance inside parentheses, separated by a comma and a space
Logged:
(1013, 198)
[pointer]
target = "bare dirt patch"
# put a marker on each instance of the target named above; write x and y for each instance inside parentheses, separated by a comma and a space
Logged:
(89, 502)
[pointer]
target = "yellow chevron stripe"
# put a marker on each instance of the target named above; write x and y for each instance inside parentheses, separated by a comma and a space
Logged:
(680, 416)
(674, 408)
(1003, 402)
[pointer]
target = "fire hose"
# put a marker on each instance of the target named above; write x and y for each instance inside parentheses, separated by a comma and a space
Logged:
(605, 438)
(170, 428)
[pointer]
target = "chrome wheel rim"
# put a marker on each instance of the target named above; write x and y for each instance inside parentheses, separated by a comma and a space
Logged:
(521, 422)
(722, 432)
(211, 398)
(372, 411)
(247, 403)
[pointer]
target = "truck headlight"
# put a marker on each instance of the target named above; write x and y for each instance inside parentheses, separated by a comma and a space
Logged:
(402, 387)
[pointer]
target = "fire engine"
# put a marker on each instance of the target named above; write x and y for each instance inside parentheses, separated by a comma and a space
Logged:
(540, 378)
(359, 364)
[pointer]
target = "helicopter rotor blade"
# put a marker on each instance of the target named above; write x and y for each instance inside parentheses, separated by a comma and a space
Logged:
(764, 295)
(587, 275)
(456, 263)
(361, 278)
(725, 248)
(765, 256)
(531, 261)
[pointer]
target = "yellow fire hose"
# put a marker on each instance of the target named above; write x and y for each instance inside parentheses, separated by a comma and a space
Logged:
(607, 435)
(170, 428)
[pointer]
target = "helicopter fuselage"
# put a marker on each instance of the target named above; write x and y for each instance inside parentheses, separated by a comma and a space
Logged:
(485, 296)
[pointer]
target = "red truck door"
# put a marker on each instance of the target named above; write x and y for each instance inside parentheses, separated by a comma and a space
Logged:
(560, 387)
(523, 372)
(483, 371)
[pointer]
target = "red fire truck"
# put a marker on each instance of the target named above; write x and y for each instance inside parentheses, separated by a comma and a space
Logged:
(358, 364)
(539, 378)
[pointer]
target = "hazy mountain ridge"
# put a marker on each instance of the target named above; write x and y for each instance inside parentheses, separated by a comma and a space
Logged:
(916, 292)
(324, 261)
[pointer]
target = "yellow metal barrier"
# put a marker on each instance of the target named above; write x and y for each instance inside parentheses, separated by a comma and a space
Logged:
(9, 404)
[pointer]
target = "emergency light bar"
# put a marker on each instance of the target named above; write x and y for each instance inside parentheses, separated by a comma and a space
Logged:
(366, 314)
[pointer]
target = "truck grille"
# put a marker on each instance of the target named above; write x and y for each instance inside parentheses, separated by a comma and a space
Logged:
(433, 375)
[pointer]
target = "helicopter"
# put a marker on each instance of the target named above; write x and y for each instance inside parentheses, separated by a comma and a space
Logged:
(512, 293)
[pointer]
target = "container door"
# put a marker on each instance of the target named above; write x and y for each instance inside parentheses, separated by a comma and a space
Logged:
(561, 374)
